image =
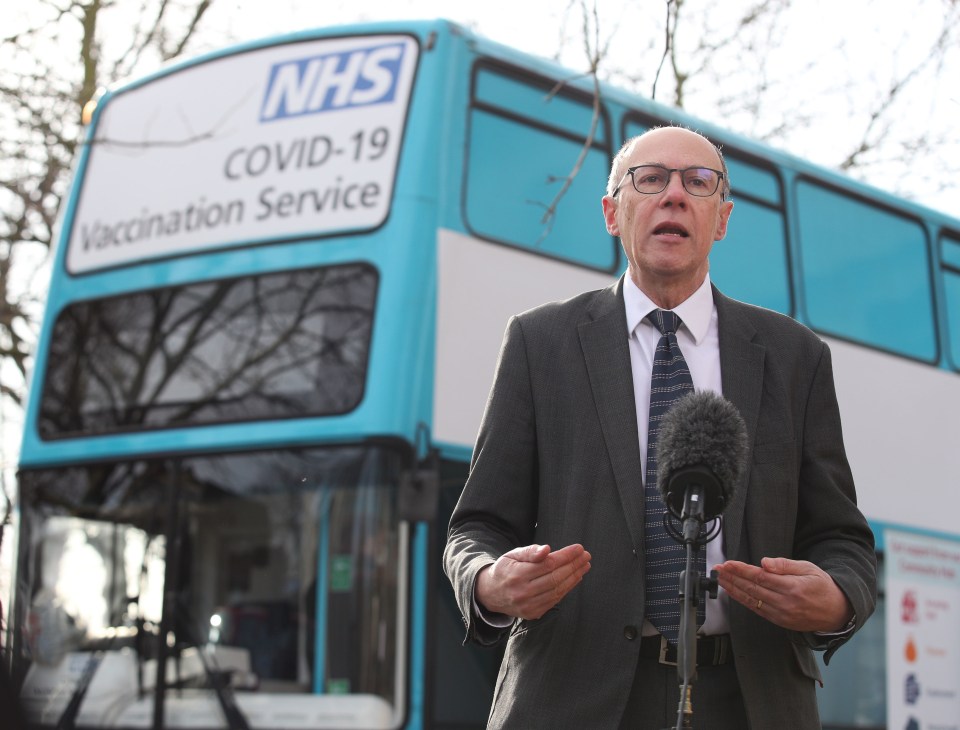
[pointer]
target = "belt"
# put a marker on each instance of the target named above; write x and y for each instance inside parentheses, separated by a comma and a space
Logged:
(711, 650)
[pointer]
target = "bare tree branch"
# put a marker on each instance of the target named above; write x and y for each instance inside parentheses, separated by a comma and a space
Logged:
(669, 39)
(877, 128)
(595, 53)
(189, 31)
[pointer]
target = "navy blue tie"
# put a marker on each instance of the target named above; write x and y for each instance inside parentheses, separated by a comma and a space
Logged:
(665, 557)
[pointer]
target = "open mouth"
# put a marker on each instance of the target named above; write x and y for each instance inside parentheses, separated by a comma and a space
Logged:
(671, 229)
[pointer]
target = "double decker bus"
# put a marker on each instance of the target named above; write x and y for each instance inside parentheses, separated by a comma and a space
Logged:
(282, 276)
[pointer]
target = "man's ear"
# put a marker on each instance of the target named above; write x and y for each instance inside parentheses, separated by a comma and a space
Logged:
(610, 215)
(723, 216)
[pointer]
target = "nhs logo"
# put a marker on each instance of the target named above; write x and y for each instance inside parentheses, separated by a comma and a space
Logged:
(328, 82)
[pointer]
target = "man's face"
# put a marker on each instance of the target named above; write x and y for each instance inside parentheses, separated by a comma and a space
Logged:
(667, 236)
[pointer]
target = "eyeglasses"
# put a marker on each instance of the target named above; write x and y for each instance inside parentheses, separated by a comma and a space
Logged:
(651, 179)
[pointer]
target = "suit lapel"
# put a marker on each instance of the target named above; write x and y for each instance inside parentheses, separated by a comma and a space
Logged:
(741, 371)
(607, 355)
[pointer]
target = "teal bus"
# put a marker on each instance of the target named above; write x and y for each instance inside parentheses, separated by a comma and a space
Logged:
(282, 275)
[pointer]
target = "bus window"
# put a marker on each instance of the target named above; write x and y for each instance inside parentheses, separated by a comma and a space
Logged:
(278, 557)
(950, 268)
(845, 241)
(756, 240)
(762, 185)
(270, 346)
(523, 143)
(631, 128)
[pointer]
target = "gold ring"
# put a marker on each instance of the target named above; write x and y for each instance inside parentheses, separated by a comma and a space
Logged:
(759, 603)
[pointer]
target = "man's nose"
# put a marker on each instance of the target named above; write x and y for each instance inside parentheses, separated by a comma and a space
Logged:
(674, 193)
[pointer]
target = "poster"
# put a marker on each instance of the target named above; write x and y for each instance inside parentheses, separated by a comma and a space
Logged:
(923, 632)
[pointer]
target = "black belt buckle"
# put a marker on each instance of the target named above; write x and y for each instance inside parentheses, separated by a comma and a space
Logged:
(664, 650)
(711, 651)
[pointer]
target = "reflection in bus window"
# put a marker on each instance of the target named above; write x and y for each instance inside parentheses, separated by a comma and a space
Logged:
(244, 537)
(518, 163)
(270, 346)
(88, 572)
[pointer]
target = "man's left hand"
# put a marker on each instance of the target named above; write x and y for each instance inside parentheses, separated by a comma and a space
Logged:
(794, 594)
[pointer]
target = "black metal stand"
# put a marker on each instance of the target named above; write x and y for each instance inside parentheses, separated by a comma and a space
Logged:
(693, 589)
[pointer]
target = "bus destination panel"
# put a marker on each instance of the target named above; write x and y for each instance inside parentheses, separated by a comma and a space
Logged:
(289, 141)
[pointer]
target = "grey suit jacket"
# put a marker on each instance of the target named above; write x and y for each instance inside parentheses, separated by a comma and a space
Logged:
(557, 462)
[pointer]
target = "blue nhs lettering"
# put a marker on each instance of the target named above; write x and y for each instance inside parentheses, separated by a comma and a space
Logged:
(333, 81)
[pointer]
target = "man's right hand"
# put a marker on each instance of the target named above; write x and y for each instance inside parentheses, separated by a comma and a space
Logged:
(528, 581)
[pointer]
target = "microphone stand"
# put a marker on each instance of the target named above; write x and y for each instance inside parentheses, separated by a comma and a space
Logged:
(692, 589)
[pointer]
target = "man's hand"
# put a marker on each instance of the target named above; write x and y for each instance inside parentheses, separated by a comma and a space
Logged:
(528, 581)
(794, 594)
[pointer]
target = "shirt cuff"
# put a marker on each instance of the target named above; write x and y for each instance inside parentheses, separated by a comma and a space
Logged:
(842, 633)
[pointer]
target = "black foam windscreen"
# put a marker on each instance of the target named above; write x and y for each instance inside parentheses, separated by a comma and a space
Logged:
(702, 439)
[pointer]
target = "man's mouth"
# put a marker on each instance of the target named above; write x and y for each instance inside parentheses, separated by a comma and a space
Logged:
(671, 229)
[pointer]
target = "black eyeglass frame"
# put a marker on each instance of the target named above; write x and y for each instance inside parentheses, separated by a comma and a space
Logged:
(669, 173)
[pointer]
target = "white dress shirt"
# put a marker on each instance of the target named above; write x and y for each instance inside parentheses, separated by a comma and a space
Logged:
(700, 344)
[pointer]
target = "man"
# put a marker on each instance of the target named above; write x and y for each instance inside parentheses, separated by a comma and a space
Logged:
(547, 541)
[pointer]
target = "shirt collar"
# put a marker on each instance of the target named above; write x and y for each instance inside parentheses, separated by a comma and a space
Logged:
(695, 311)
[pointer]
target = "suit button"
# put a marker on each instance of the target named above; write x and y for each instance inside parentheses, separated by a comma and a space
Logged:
(630, 632)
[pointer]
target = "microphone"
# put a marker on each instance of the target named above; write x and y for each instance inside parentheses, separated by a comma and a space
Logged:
(701, 449)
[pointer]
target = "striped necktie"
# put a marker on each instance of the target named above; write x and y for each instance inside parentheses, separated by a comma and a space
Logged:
(665, 557)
